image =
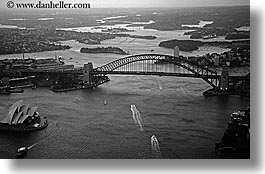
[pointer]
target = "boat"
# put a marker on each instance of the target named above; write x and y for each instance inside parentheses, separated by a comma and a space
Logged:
(23, 118)
(22, 152)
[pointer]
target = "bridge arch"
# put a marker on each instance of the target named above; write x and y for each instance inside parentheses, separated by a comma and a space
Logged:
(204, 73)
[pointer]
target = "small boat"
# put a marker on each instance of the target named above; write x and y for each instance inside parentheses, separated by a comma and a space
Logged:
(105, 102)
(22, 152)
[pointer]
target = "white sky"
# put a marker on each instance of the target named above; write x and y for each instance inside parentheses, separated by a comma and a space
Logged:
(165, 3)
(144, 3)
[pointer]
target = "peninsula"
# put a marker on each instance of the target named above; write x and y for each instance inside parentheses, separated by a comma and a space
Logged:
(191, 45)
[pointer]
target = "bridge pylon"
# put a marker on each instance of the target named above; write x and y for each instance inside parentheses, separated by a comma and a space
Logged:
(87, 77)
(224, 81)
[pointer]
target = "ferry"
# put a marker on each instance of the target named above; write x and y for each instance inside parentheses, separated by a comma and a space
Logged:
(22, 152)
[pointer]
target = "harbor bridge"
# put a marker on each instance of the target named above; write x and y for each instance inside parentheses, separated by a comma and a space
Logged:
(152, 64)
(146, 64)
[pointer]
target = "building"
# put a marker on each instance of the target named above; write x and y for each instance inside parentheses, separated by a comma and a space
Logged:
(224, 83)
(176, 51)
(216, 60)
(21, 114)
(48, 64)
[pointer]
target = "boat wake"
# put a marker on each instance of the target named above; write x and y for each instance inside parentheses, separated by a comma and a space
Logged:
(137, 117)
(156, 153)
(46, 137)
(31, 146)
(160, 86)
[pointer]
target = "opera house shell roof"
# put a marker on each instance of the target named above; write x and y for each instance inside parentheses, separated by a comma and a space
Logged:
(18, 113)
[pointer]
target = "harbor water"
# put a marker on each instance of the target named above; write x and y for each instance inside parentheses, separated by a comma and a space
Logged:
(98, 123)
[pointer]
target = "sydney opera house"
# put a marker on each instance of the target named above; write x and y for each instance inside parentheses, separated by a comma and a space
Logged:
(23, 117)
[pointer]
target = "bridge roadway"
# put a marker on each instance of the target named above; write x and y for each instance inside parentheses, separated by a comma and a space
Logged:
(153, 73)
(79, 71)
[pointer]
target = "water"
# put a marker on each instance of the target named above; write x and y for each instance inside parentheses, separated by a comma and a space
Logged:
(186, 124)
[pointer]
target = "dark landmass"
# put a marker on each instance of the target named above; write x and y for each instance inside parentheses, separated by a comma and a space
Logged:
(16, 41)
(184, 45)
(117, 30)
(208, 33)
(166, 19)
(235, 36)
(114, 50)
(191, 45)
(225, 20)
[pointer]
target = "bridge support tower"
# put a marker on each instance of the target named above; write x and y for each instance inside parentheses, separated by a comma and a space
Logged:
(224, 82)
(93, 80)
(87, 76)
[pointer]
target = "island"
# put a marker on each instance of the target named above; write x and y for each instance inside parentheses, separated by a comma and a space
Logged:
(117, 30)
(184, 45)
(135, 36)
(113, 50)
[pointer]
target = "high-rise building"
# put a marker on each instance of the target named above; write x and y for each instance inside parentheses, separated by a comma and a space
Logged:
(224, 80)
(216, 60)
(176, 51)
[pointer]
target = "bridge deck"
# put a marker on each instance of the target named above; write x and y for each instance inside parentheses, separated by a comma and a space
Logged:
(154, 73)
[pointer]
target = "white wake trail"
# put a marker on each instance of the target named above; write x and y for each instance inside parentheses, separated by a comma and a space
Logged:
(137, 117)
(156, 153)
